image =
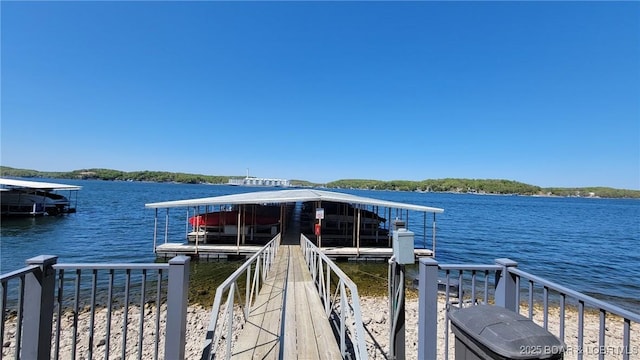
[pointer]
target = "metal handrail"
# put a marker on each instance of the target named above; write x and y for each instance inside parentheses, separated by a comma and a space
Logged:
(510, 284)
(111, 266)
(319, 264)
(601, 305)
(18, 273)
(48, 292)
(263, 260)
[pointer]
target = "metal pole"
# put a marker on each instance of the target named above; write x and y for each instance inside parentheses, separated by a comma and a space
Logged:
(197, 218)
(244, 222)
(320, 222)
(433, 244)
(166, 227)
(320, 236)
(391, 288)
(282, 218)
(389, 227)
(399, 334)
(358, 235)
(155, 231)
(424, 231)
(238, 235)
(396, 310)
(407, 219)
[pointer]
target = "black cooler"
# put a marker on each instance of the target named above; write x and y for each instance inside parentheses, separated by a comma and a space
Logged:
(491, 332)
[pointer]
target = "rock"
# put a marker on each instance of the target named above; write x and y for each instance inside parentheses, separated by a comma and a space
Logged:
(101, 342)
(6, 344)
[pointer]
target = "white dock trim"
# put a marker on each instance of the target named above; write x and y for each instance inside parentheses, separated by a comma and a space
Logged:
(289, 196)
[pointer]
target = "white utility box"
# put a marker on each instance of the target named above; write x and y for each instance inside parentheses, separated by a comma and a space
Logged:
(403, 246)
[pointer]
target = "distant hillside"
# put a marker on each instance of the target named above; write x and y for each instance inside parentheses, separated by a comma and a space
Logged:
(482, 186)
(117, 175)
(108, 174)
(479, 186)
(444, 185)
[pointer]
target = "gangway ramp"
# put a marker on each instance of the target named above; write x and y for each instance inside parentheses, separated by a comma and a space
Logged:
(288, 319)
(298, 304)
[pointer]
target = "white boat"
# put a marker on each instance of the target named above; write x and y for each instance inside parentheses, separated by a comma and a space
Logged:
(34, 198)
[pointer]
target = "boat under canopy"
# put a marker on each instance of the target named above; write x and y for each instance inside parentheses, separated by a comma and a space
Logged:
(34, 198)
(332, 219)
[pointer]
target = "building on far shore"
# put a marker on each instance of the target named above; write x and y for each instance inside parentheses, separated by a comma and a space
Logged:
(255, 181)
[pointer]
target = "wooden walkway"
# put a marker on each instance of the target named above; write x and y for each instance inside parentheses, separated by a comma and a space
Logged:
(288, 319)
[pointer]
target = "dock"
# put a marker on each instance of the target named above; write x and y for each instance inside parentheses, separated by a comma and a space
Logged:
(206, 251)
(343, 226)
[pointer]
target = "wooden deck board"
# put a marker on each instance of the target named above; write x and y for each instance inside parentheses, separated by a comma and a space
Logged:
(312, 311)
(303, 327)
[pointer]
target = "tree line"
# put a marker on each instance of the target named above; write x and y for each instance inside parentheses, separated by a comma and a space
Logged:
(481, 186)
(489, 186)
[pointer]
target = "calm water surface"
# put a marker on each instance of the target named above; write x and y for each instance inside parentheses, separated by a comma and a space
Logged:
(590, 245)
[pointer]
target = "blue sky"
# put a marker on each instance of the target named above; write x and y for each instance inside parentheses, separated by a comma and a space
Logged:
(546, 93)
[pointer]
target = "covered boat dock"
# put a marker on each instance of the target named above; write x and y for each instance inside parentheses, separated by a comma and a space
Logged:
(36, 198)
(342, 225)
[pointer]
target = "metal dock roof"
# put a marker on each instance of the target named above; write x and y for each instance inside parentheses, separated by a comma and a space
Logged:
(36, 185)
(285, 196)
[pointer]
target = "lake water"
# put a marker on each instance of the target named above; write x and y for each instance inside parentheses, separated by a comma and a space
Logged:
(590, 245)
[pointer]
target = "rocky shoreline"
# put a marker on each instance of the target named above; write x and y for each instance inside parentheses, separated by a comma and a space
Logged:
(375, 318)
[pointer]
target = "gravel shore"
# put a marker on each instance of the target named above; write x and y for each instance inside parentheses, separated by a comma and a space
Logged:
(375, 320)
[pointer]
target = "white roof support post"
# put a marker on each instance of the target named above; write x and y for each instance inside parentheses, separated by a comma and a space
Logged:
(238, 235)
(197, 227)
(244, 221)
(358, 235)
(166, 227)
(155, 232)
(281, 219)
(433, 243)
(389, 229)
